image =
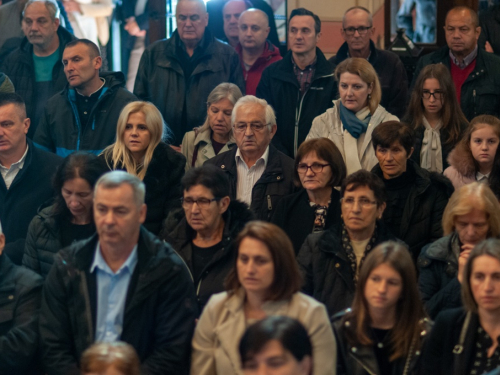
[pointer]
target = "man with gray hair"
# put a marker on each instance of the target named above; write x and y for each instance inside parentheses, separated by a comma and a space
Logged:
(357, 30)
(260, 175)
(121, 284)
(178, 74)
(35, 68)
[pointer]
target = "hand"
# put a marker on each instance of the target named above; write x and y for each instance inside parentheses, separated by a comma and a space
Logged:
(133, 28)
(488, 47)
(71, 6)
(462, 260)
(176, 148)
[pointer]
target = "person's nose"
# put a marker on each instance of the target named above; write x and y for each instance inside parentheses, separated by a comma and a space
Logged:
(488, 284)
(389, 156)
(310, 172)
(382, 287)
(220, 116)
(73, 202)
(249, 131)
(432, 98)
(109, 217)
(195, 208)
(356, 33)
(484, 145)
(356, 206)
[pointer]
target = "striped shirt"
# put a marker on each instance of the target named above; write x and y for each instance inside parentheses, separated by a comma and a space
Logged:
(247, 177)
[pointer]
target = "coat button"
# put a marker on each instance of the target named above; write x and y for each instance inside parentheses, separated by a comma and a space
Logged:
(278, 178)
(354, 349)
(337, 265)
(11, 296)
(223, 166)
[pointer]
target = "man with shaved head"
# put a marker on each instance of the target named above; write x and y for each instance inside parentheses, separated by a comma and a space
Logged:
(256, 52)
(357, 30)
(475, 72)
(178, 74)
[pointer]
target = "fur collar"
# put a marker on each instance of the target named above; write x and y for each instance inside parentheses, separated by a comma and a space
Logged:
(461, 159)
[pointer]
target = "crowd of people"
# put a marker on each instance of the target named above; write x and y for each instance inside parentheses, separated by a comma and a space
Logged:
(242, 211)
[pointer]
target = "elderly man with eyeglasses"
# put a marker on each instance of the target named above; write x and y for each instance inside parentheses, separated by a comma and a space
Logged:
(259, 174)
(357, 30)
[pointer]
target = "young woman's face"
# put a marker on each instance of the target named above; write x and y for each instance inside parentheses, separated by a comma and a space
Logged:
(137, 135)
(485, 283)
(383, 288)
(274, 359)
(434, 103)
(255, 266)
(483, 145)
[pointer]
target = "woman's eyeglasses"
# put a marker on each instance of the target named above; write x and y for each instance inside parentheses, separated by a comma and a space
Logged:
(315, 167)
(201, 202)
(438, 95)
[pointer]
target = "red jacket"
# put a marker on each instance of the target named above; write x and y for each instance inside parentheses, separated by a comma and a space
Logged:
(252, 76)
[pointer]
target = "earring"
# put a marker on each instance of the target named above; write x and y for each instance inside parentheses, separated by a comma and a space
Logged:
(369, 96)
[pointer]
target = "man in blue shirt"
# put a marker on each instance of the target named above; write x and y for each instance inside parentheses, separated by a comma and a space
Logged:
(121, 284)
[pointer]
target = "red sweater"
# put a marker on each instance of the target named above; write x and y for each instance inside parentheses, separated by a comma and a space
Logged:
(460, 75)
(252, 76)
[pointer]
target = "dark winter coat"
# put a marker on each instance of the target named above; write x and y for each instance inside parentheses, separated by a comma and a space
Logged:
(423, 211)
(20, 68)
(61, 131)
(481, 90)
(275, 183)
(361, 360)
(326, 270)
(20, 294)
(160, 80)
(295, 216)
(160, 309)
(179, 234)
(295, 114)
(391, 74)
(489, 20)
(163, 184)
(442, 355)
(437, 281)
(19, 204)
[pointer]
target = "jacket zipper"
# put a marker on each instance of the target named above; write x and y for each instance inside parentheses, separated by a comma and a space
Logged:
(182, 259)
(474, 102)
(269, 204)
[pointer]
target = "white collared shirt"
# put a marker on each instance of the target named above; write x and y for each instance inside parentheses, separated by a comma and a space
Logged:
(247, 177)
(9, 174)
(480, 177)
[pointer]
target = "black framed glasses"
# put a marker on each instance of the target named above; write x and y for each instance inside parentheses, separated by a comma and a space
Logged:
(362, 30)
(201, 202)
(438, 95)
(315, 167)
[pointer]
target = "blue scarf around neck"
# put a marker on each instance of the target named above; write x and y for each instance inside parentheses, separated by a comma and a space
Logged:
(351, 123)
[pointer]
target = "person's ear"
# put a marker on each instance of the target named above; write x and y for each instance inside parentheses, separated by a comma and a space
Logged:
(411, 152)
(306, 365)
(26, 124)
(274, 128)
(381, 210)
(142, 213)
(2, 243)
(224, 204)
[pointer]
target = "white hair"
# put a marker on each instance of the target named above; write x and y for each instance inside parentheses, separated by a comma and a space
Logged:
(115, 179)
(250, 99)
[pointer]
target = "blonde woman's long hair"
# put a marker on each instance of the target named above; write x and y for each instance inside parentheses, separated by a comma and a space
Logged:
(118, 155)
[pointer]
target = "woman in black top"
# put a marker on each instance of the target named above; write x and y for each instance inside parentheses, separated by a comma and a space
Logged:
(384, 331)
(319, 167)
(70, 217)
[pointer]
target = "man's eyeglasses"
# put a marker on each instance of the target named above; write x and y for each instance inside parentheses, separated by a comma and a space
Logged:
(315, 167)
(201, 202)
(362, 30)
(241, 127)
(438, 95)
(363, 202)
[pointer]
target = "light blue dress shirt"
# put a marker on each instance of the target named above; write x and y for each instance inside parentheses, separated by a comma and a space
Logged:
(111, 295)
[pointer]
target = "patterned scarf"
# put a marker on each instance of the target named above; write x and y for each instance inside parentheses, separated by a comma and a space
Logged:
(346, 244)
(320, 218)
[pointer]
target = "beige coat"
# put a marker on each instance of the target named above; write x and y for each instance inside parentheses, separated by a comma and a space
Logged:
(329, 125)
(92, 23)
(205, 148)
(222, 324)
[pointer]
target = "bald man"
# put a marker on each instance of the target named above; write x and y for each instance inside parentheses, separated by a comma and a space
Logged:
(178, 74)
(475, 72)
(256, 52)
(357, 30)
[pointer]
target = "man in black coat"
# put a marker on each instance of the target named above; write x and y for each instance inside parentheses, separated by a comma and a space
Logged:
(35, 68)
(301, 86)
(20, 293)
(259, 174)
(357, 30)
(121, 284)
(475, 72)
(26, 174)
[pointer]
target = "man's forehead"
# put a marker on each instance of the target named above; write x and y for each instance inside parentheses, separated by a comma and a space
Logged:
(357, 16)
(189, 8)
(234, 7)
(302, 21)
(114, 196)
(78, 50)
(36, 10)
(250, 112)
(459, 17)
(253, 17)
(12, 111)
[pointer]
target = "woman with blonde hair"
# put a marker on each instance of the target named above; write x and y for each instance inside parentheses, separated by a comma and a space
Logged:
(351, 120)
(215, 135)
(474, 156)
(385, 329)
(471, 216)
(435, 116)
(113, 358)
(141, 151)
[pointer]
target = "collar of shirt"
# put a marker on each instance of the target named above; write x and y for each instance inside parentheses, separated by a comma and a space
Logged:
(481, 177)
(466, 61)
(101, 264)
(100, 87)
(367, 59)
(307, 68)
(264, 157)
(18, 164)
(182, 46)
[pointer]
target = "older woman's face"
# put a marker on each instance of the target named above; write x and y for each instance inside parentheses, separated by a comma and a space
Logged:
(255, 266)
(360, 211)
(473, 227)
(137, 135)
(485, 283)
(219, 117)
(353, 91)
(202, 213)
(77, 193)
(392, 160)
(310, 179)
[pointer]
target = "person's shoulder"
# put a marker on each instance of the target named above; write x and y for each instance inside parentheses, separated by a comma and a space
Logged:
(221, 47)
(166, 154)
(45, 158)
(450, 317)
(438, 250)
(223, 158)
(25, 278)
(306, 301)
(388, 57)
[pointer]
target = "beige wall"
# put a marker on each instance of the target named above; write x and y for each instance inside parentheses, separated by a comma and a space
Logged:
(331, 12)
